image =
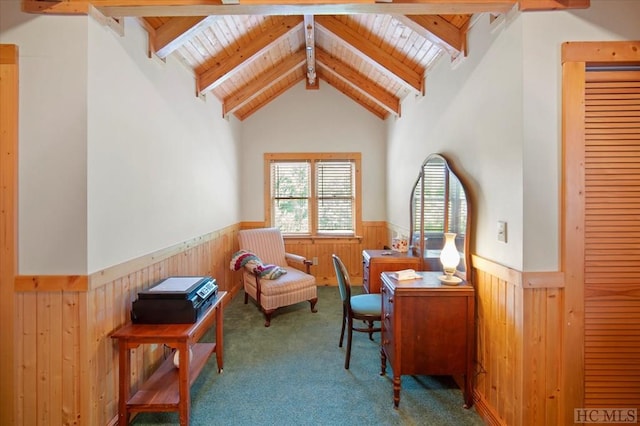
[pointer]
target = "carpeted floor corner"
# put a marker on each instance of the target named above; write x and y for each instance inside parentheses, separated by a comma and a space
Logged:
(292, 373)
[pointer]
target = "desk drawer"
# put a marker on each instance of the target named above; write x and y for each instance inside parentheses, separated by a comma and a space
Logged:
(387, 336)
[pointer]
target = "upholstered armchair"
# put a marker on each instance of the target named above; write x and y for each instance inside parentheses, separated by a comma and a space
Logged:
(288, 288)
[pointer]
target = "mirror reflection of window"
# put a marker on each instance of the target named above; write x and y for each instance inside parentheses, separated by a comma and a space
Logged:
(438, 205)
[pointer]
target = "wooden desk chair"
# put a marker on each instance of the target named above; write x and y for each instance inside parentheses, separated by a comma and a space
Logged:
(365, 307)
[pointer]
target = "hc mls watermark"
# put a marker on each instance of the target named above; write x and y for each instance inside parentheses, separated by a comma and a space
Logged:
(605, 415)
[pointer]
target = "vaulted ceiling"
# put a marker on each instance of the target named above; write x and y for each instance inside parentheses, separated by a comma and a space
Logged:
(248, 52)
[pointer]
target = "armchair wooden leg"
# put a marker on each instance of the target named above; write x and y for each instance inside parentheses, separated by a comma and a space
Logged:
(246, 297)
(313, 304)
(267, 317)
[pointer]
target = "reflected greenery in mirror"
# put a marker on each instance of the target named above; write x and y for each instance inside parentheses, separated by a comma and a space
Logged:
(438, 205)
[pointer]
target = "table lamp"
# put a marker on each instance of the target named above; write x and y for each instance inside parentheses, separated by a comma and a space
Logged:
(450, 258)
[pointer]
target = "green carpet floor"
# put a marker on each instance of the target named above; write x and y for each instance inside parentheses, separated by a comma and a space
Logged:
(292, 373)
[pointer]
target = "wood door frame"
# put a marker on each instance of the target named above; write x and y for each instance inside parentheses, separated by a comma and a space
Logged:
(8, 225)
(576, 56)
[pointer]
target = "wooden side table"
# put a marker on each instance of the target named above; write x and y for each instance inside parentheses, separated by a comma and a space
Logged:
(168, 387)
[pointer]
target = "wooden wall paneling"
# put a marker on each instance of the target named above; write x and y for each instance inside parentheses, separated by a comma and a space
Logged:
(488, 351)
(495, 360)
(518, 335)
(71, 362)
(482, 339)
(9, 94)
(56, 356)
(534, 342)
(26, 350)
(96, 362)
(515, 344)
(506, 339)
(43, 358)
(553, 354)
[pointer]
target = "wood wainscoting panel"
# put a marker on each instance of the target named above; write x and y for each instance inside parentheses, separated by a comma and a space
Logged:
(518, 349)
(67, 365)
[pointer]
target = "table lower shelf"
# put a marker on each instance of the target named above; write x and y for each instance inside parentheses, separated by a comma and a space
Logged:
(161, 392)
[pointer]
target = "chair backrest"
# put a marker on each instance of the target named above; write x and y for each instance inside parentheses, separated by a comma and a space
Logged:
(266, 243)
(344, 282)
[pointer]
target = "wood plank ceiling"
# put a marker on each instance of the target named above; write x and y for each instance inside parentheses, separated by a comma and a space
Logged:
(247, 53)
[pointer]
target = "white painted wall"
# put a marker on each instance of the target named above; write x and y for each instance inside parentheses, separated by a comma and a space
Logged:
(322, 120)
(497, 117)
(162, 163)
(473, 115)
(543, 35)
(118, 158)
(52, 192)
(97, 117)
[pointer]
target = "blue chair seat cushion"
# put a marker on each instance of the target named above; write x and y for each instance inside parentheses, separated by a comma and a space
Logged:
(367, 304)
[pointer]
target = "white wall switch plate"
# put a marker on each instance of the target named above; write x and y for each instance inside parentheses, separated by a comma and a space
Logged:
(502, 231)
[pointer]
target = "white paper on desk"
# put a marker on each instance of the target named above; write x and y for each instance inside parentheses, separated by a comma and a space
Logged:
(405, 274)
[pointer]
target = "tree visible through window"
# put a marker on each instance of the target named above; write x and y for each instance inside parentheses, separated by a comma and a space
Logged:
(314, 194)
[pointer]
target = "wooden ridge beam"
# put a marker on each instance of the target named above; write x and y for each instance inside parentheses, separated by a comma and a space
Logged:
(310, 45)
(226, 66)
(262, 83)
(357, 81)
(362, 47)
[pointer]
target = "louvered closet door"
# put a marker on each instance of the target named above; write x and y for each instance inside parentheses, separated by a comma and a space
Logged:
(612, 239)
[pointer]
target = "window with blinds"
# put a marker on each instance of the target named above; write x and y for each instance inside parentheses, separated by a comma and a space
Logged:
(314, 194)
(290, 195)
(335, 196)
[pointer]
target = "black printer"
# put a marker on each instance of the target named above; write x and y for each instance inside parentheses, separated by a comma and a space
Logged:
(175, 300)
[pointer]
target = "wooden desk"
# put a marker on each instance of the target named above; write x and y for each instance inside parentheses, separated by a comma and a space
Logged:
(428, 328)
(168, 388)
(376, 261)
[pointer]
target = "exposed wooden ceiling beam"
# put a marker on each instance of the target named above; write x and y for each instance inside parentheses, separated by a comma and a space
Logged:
(140, 8)
(355, 96)
(262, 83)
(243, 113)
(310, 45)
(227, 65)
(388, 64)
(176, 31)
(553, 4)
(279, 7)
(439, 31)
(358, 82)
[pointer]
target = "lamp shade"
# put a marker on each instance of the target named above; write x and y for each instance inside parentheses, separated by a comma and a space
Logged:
(449, 256)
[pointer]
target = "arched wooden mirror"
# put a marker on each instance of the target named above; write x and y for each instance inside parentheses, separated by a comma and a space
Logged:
(439, 205)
